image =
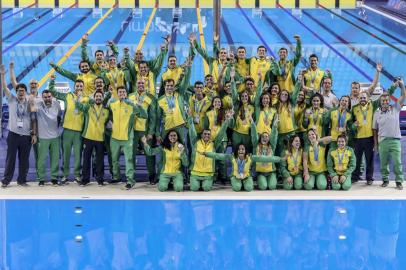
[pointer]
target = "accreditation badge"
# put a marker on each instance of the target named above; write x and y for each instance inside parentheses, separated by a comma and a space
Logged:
(241, 176)
(19, 123)
(197, 119)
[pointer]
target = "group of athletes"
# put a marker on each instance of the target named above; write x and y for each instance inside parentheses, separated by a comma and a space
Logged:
(283, 126)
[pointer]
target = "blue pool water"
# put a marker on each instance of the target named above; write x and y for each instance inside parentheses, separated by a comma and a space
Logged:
(350, 53)
(87, 234)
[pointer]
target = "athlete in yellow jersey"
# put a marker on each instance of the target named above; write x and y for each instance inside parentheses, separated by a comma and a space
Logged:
(313, 76)
(96, 116)
(314, 162)
(264, 144)
(72, 128)
(86, 76)
(259, 65)
(315, 116)
(284, 69)
(339, 120)
(99, 65)
(299, 113)
(199, 105)
(173, 156)
(114, 77)
(292, 170)
(340, 164)
(122, 113)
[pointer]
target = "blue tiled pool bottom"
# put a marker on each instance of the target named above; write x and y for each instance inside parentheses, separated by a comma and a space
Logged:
(203, 234)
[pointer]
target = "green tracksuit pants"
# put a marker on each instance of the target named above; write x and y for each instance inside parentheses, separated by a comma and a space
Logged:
(239, 138)
(71, 139)
(48, 147)
(267, 180)
(150, 160)
(206, 182)
(165, 178)
(345, 186)
(316, 178)
(390, 147)
(297, 182)
(127, 146)
(246, 183)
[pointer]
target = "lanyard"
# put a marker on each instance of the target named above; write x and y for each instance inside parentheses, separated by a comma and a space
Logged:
(267, 114)
(114, 75)
(97, 114)
(21, 109)
(341, 118)
(340, 158)
(315, 116)
(171, 102)
(199, 105)
(296, 158)
(241, 165)
(364, 113)
(283, 69)
(313, 78)
(316, 152)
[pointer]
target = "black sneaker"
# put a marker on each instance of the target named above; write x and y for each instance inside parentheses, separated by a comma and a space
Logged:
(129, 186)
(22, 184)
(152, 179)
(41, 183)
(399, 186)
(114, 182)
(54, 183)
(385, 184)
(369, 182)
(4, 185)
(100, 183)
(83, 184)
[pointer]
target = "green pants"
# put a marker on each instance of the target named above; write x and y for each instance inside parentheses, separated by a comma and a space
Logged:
(239, 138)
(221, 164)
(165, 178)
(71, 139)
(247, 183)
(48, 147)
(205, 181)
(345, 186)
(107, 139)
(266, 180)
(318, 178)
(297, 182)
(127, 146)
(150, 160)
(391, 147)
(283, 138)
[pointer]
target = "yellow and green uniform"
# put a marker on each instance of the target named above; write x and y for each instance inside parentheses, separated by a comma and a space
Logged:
(316, 163)
(199, 109)
(364, 116)
(266, 172)
(313, 78)
(170, 109)
(94, 66)
(87, 78)
(285, 70)
(259, 64)
(202, 168)
(263, 116)
(170, 165)
(293, 167)
(143, 127)
(122, 113)
(72, 125)
(316, 121)
(215, 66)
(241, 169)
(299, 115)
(114, 77)
(341, 162)
(241, 128)
(242, 66)
(210, 93)
(340, 121)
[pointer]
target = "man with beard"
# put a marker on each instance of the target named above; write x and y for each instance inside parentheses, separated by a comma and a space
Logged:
(20, 137)
(154, 65)
(72, 128)
(314, 76)
(96, 117)
(86, 76)
(356, 87)
(387, 135)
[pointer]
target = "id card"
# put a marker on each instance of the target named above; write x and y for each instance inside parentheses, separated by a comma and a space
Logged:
(19, 123)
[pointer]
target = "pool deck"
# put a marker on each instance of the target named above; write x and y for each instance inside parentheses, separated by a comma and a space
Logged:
(145, 191)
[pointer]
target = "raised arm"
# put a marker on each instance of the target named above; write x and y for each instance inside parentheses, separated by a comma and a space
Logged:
(152, 117)
(149, 151)
(219, 156)
(222, 132)
(298, 51)
(376, 79)
(296, 90)
(265, 159)
(192, 131)
(192, 39)
(84, 54)
(3, 81)
(156, 64)
(66, 73)
(56, 94)
(254, 135)
(273, 140)
(401, 100)
(13, 76)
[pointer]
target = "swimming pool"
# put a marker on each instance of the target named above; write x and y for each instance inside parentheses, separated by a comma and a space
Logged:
(198, 234)
(350, 52)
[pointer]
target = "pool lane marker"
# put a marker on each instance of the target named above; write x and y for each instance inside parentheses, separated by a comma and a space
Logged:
(201, 37)
(27, 24)
(327, 44)
(124, 27)
(6, 10)
(146, 30)
(75, 46)
(352, 48)
(384, 14)
(227, 33)
(256, 31)
(21, 10)
(364, 30)
(35, 30)
(375, 27)
(45, 53)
